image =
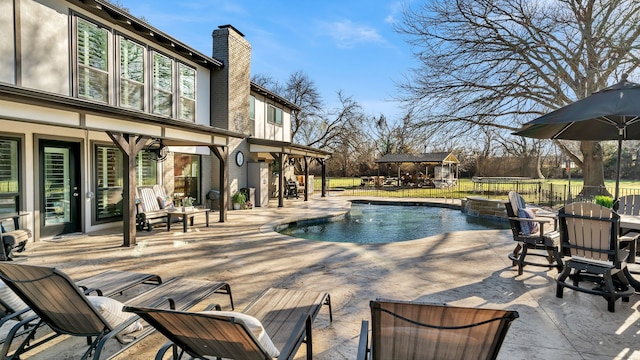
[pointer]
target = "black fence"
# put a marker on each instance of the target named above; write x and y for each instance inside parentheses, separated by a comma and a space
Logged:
(534, 191)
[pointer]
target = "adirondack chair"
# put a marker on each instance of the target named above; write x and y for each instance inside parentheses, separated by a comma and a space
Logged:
(590, 235)
(544, 242)
(13, 236)
(149, 212)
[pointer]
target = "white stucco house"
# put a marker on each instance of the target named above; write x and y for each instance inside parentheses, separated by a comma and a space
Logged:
(94, 102)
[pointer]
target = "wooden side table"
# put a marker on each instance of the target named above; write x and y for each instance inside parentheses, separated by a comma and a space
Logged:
(188, 214)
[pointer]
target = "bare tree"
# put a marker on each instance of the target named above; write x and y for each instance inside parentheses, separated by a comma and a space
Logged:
(268, 82)
(483, 63)
(315, 125)
(528, 151)
(329, 128)
(302, 91)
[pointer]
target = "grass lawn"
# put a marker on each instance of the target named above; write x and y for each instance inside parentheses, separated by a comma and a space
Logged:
(348, 182)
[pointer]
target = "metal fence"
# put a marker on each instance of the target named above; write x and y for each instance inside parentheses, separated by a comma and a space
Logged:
(539, 192)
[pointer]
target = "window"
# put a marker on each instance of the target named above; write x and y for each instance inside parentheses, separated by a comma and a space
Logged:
(9, 179)
(109, 179)
(274, 115)
(162, 84)
(93, 64)
(252, 114)
(140, 79)
(146, 169)
(186, 176)
(252, 107)
(131, 74)
(187, 81)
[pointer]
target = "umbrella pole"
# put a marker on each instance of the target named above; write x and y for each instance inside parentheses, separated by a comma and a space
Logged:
(618, 165)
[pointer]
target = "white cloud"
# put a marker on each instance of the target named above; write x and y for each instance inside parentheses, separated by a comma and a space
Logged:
(394, 9)
(348, 34)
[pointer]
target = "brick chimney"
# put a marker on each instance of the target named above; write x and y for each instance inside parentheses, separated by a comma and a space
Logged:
(231, 85)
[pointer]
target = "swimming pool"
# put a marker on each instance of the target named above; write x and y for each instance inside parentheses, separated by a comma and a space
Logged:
(369, 224)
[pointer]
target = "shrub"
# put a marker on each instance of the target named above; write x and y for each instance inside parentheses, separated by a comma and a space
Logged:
(238, 198)
(606, 201)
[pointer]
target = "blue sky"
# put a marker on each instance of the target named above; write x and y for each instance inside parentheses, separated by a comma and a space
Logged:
(341, 45)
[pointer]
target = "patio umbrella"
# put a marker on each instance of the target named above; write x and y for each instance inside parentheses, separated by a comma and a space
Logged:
(609, 114)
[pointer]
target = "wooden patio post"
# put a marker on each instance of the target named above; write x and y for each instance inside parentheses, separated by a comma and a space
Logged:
(306, 178)
(221, 153)
(281, 186)
(130, 145)
(324, 177)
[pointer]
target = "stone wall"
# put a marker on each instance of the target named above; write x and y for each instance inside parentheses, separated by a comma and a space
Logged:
(486, 208)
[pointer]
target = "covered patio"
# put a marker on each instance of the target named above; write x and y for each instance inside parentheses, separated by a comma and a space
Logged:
(462, 268)
(444, 168)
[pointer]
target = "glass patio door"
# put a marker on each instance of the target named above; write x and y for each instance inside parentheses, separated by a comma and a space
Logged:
(60, 188)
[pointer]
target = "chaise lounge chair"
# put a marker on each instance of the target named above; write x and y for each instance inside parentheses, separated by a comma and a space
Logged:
(403, 330)
(273, 325)
(62, 306)
(108, 283)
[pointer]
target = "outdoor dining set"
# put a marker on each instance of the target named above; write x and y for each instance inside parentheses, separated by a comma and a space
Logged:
(591, 246)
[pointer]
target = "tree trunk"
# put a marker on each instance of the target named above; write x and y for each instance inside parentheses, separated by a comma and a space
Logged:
(592, 169)
(539, 167)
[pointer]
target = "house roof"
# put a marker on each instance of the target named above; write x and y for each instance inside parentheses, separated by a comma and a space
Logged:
(171, 131)
(293, 150)
(273, 96)
(114, 14)
(429, 158)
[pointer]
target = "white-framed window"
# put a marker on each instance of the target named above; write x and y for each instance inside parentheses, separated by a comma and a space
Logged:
(131, 74)
(142, 78)
(109, 179)
(93, 61)
(274, 115)
(162, 84)
(252, 107)
(187, 92)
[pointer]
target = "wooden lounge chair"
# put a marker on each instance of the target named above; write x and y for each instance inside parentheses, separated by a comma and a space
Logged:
(12, 308)
(115, 282)
(285, 316)
(404, 330)
(149, 212)
(108, 283)
(589, 234)
(64, 308)
(544, 242)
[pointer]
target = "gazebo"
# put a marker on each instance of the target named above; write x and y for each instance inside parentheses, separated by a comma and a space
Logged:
(443, 163)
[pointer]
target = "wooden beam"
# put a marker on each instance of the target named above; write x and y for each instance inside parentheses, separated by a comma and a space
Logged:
(130, 145)
(222, 153)
(306, 178)
(324, 177)
(279, 157)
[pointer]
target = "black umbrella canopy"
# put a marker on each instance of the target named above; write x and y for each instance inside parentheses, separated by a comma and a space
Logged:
(610, 114)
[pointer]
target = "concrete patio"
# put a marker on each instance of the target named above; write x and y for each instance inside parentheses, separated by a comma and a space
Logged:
(463, 269)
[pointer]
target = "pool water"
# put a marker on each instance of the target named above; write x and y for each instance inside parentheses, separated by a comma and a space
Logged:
(368, 224)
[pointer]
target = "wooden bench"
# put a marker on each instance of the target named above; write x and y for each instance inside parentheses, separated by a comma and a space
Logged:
(149, 212)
